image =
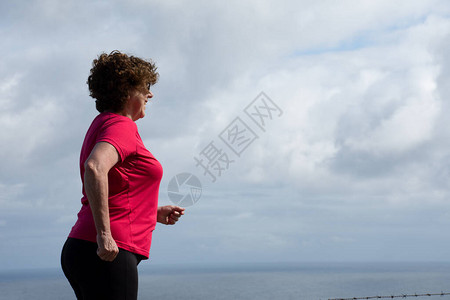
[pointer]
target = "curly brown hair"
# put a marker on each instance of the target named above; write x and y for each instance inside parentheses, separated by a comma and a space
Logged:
(113, 76)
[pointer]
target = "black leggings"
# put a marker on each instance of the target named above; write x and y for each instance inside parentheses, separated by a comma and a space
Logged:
(93, 278)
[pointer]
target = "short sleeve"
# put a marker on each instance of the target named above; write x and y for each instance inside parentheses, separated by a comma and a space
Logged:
(121, 133)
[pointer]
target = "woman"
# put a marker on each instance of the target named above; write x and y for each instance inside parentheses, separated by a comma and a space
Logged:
(121, 181)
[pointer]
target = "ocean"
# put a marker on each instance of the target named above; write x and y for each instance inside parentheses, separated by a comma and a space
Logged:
(312, 281)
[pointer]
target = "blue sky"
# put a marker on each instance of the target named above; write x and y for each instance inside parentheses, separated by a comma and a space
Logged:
(355, 169)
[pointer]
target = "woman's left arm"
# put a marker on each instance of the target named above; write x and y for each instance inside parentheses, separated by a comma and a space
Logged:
(169, 214)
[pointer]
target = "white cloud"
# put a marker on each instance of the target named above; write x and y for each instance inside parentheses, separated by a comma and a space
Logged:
(362, 86)
(9, 194)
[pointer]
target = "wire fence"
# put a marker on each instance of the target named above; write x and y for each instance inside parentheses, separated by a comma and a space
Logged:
(394, 296)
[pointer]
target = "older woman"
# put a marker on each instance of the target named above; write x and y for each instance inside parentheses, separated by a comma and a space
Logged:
(120, 180)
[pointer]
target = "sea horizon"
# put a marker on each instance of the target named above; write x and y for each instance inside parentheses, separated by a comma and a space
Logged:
(251, 280)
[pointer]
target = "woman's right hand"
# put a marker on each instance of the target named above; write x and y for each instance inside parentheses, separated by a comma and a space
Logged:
(107, 248)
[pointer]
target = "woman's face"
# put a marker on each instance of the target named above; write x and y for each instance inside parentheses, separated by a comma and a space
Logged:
(136, 103)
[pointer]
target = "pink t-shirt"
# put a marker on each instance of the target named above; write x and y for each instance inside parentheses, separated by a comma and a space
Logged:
(133, 186)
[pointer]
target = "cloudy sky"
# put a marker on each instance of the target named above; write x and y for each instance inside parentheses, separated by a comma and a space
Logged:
(356, 168)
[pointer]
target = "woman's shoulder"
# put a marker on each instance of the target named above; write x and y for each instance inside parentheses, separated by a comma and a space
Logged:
(108, 119)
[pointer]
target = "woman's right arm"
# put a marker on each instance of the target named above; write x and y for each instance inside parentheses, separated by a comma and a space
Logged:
(102, 158)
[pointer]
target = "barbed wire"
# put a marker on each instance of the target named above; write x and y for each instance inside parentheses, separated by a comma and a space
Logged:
(394, 296)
